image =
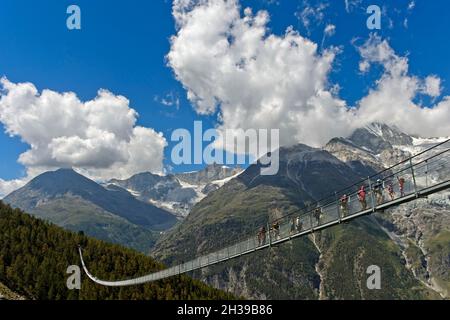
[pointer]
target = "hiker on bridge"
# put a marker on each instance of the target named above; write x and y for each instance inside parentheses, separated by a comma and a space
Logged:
(317, 215)
(298, 224)
(344, 205)
(391, 192)
(362, 197)
(378, 191)
(293, 226)
(276, 229)
(401, 186)
(262, 236)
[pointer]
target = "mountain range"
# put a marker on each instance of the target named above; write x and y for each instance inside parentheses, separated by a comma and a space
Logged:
(132, 212)
(177, 193)
(77, 203)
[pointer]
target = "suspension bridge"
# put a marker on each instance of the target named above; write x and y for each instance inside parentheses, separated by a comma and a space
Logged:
(417, 177)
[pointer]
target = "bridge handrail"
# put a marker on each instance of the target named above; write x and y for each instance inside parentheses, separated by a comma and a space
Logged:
(362, 181)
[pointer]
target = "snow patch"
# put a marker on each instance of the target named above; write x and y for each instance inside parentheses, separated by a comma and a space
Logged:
(222, 182)
(428, 141)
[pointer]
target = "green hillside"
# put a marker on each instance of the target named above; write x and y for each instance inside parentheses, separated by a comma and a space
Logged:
(440, 259)
(347, 252)
(76, 214)
(34, 256)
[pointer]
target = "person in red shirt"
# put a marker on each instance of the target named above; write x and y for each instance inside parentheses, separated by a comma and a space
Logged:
(401, 185)
(362, 198)
(391, 192)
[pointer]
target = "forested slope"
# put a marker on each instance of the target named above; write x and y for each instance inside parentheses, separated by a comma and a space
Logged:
(34, 256)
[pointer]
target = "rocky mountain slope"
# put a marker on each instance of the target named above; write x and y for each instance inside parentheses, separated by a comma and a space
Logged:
(177, 193)
(330, 264)
(420, 229)
(77, 203)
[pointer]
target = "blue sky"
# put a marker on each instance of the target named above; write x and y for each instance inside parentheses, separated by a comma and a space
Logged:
(122, 47)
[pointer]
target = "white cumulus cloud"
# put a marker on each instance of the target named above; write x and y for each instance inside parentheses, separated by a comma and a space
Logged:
(393, 98)
(231, 64)
(98, 137)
